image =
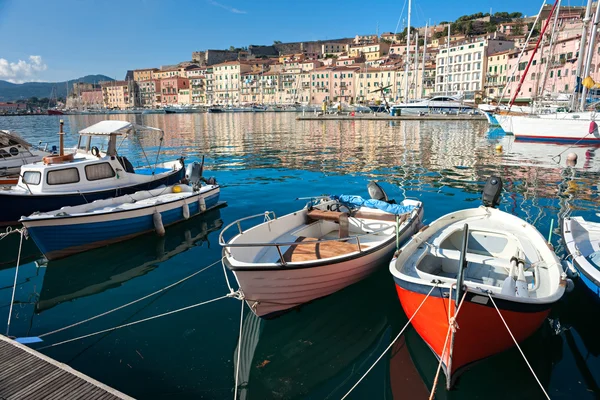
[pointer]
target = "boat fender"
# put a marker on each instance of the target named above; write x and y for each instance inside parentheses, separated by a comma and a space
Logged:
(570, 286)
(202, 204)
(593, 127)
(186, 211)
(521, 284)
(158, 224)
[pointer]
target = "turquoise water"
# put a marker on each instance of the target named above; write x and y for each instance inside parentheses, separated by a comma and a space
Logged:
(264, 162)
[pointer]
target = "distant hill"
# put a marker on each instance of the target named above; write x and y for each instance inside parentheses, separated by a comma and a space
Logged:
(22, 91)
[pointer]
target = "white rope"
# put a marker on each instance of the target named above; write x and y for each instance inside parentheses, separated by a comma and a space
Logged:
(518, 347)
(12, 299)
(130, 303)
(391, 344)
(239, 346)
(137, 322)
(9, 231)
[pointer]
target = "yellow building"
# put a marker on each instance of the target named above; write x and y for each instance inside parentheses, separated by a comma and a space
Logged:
(370, 51)
(497, 65)
(167, 73)
(143, 74)
(119, 94)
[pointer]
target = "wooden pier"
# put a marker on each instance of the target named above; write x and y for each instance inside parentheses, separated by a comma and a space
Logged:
(27, 374)
(386, 117)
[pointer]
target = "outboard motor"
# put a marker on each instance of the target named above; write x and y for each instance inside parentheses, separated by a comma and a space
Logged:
(492, 191)
(376, 192)
(193, 173)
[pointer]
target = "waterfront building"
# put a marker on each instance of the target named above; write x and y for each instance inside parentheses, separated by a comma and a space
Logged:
(362, 40)
(184, 96)
(334, 48)
(461, 68)
(227, 79)
(12, 107)
(370, 51)
(333, 84)
(496, 74)
(146, 74)
(168, 72)
(149, 91)
(119, 94)
(170, 88)
(91, 98)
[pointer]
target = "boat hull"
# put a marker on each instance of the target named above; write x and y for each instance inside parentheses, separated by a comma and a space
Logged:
(70, 235)
(14, 206)
(270, 292)
(477, 319)
(562, 130)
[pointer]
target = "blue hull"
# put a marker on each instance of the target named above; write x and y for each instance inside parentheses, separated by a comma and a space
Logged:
(13, 207)
(60, 241)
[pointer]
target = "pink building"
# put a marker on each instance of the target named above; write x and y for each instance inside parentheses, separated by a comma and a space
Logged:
(560, 66)
(169, 88)
(333, 84)
(92, 98)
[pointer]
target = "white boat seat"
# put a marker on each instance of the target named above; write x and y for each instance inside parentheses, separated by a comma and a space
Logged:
(471, 258)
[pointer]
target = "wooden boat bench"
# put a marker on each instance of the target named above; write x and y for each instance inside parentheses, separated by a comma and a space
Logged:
(333, 216)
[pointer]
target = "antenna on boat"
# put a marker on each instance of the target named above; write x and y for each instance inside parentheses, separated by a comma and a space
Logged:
(61, 135)
(492, 191)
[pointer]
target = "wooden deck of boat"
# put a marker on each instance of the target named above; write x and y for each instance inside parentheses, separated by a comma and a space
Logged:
(27, 374)
(318, 251)
(387, 117)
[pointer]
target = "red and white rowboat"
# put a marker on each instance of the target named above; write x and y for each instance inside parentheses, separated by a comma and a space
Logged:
(507, 264)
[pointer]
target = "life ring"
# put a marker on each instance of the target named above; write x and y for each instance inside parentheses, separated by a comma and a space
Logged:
(57, 159)
(95, 151)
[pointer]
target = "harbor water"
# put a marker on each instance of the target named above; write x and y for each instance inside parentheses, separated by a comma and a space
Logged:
(264, 161)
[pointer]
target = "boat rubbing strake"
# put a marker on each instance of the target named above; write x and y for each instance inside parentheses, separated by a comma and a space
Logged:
(506, 259)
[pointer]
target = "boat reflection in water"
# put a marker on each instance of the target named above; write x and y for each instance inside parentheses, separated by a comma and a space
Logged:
(543, 350)
(96, 271)
(322, 349)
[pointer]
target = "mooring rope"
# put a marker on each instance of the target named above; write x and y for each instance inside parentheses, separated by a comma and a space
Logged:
(130, 303)
(237, 367)
(12, 299)
(391, 344)
(452, 326)
(518, 347)
(10, 231)
(136, 322)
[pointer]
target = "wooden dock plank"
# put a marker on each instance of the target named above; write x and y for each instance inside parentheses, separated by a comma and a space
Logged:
(25, 373)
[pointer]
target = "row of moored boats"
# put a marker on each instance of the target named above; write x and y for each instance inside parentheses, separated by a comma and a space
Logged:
(473, 268)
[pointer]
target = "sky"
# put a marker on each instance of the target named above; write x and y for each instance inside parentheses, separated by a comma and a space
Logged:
(57, 40)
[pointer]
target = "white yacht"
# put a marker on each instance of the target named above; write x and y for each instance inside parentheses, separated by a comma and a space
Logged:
(434, 105)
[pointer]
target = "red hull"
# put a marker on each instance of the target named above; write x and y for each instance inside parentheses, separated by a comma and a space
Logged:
(55, 112)
(480, 332)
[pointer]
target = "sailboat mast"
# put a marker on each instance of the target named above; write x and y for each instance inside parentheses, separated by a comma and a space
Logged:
(537, 45)
(416, 69)
(550, 50)
(448, 63)
(407, 63)
(423, 63)
(582, 43)
(588, 60)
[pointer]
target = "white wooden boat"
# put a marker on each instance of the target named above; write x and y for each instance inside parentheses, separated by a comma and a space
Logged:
(477, 252)
(73, 229)
(16, 152)
(328, 245)
(582, 240)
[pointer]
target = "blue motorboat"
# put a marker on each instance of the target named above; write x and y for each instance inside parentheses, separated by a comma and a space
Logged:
(582, 242)
(84, 175)
(71, 230)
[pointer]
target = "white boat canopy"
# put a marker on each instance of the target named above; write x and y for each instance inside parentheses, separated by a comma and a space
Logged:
(115, 128)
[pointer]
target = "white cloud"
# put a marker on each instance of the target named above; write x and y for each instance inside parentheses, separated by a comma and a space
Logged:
(230, 9)
(21, 71)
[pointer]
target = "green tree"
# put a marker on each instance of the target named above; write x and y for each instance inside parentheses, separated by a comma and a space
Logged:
(276, 41)
(518, 30)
